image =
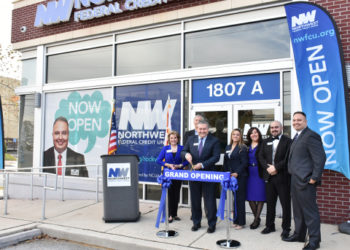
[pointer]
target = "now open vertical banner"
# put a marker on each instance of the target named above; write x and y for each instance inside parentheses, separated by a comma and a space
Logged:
(321, 79)
(2, 145)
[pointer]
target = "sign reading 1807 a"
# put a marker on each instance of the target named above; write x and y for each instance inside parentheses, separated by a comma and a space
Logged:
(237, 88)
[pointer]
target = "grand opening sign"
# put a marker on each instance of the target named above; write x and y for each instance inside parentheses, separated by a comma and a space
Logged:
(60, 11)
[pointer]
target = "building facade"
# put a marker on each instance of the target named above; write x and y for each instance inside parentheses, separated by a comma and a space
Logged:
(160, 63)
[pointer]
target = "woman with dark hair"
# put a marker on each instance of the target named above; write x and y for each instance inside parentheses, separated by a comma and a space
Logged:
(255, 184)
(170, 157)
(236, 162)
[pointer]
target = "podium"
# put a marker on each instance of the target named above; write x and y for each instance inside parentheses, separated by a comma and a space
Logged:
(120, 188)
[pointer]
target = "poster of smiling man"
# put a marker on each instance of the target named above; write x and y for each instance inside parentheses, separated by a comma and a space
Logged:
(76, 131)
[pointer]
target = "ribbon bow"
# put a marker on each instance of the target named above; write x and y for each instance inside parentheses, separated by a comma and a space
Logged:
(165, 182)
(227, 184)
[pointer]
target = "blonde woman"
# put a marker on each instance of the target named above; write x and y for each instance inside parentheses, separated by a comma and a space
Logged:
(170, 157)
(236, 162)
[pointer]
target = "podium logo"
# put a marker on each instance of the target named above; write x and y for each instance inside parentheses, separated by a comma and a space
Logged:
(145, 117)
(118, 175)
(118, 172)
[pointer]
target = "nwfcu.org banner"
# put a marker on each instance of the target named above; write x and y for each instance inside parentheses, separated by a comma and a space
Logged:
(321, 79)
(141, 117)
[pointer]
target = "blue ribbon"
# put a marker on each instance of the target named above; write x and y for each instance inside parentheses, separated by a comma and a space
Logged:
(165, 182)
(227, 184)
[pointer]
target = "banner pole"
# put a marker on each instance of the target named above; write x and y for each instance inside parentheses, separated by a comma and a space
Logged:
(167, 233)
(228, 243)
(228, 205)
(167, 211)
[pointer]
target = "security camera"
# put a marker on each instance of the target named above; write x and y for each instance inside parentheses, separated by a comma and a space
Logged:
(23, 29)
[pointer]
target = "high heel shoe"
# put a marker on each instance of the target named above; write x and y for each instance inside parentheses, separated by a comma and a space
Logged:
(255, 224)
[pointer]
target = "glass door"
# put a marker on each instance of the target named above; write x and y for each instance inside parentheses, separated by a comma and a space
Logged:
(256, 115)
(219, 118)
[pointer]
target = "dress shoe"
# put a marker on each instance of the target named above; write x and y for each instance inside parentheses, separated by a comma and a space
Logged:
(311, 246)
(170, 220)
(268, 230)
(255, 224)
(195, 227)
(211, 230)
(285, 234)
(176, 218)
(293, 238)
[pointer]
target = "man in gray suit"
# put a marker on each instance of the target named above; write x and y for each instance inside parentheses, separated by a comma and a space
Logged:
(306, 161)
(202, 151)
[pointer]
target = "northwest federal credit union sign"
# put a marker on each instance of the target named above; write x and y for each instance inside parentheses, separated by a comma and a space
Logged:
(60, 11)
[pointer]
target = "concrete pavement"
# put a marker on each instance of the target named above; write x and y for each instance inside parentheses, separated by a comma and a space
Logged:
(81, 221)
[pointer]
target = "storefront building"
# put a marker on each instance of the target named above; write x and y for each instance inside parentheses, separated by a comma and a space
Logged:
(229, 60)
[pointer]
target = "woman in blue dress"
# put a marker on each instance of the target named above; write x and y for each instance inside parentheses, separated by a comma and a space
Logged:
(170, 157)
(236, 162)
(255, 184)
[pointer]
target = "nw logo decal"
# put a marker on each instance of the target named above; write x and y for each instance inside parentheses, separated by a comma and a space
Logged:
(304, 21)
(145, 117)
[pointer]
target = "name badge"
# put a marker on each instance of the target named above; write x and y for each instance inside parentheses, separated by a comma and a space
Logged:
(269, 143)
(169, 151)
(74, 172)
(227, 152)
(195, 144)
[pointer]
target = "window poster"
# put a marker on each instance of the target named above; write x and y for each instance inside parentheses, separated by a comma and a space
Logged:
(77, 130)
(143, 114)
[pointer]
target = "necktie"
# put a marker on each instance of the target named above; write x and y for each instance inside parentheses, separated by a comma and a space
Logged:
(275, 138)
(200, 147)
(59, 170)
(295, 137)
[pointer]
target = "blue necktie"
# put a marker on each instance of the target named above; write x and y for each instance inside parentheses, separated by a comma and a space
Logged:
(295, 137)
(200, 147)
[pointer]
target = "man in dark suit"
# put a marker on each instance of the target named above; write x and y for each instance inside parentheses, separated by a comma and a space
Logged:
(202, 152)
(277, 179)
(61, 155)
(189, 133)
(306, 161)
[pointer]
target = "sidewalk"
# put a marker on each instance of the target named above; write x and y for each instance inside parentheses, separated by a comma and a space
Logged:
(81, 221)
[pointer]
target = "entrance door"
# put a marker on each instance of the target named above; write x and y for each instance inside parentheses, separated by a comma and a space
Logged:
(256, 115)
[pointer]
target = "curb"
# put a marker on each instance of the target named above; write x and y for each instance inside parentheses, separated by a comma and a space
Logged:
(16, 238)
(99, 239)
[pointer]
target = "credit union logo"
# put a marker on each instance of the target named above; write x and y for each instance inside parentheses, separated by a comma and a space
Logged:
(304, 21)
(60, 11)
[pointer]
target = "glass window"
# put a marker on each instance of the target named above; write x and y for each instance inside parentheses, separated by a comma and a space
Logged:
(287, 104)
(241, 43)
(149, 55)
(28, 72)
(26, 131)
(153, 192)
(77, 65)
(260, 118)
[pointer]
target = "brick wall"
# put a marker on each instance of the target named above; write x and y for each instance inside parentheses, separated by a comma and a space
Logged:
(333, 196)
(26, 16)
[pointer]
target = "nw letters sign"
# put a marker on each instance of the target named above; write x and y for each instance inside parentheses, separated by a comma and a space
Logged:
(60, 11)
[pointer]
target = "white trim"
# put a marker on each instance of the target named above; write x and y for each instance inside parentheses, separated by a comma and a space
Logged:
(235, 18)
(173, 75)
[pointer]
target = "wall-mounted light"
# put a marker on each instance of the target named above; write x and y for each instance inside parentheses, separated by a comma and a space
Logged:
(23, 29)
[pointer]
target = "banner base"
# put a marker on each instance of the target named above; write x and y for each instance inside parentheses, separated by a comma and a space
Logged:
(167, 234)
(228, 243)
